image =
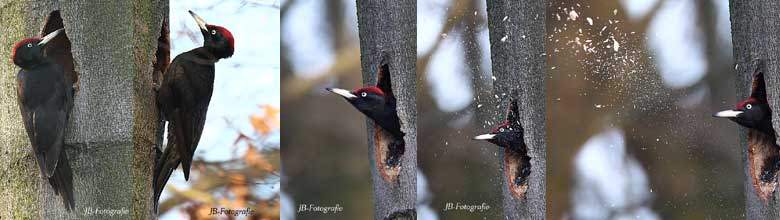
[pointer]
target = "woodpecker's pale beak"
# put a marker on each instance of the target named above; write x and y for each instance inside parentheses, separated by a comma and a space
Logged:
(343, 93)
(49, 36)
(485, 137)
(727, 114)
(199, 20)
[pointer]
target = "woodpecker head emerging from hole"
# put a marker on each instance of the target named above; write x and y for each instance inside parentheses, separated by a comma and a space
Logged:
(215, 38)
(508, 134)
(753, 112)
(366, 100)
(28, 53)
(376, 102)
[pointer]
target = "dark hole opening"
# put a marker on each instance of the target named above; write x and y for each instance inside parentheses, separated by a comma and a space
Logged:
(389, 147)
(59, 49)
(159, 66)
(163, 53)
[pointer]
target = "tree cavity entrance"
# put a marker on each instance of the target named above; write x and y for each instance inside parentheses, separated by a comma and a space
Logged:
(388, 148)
(59, 48)
(162, 54)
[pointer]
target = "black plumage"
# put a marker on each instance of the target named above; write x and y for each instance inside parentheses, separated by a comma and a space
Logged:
(45, 100)
(183, 99)
(379, 104)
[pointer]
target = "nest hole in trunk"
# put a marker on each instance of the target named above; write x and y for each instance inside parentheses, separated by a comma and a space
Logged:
(389, 149)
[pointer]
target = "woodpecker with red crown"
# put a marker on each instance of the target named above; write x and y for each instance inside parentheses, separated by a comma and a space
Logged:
(755, 113)
(45, 101)
(184, 96)
(378, 103)
(509, 135)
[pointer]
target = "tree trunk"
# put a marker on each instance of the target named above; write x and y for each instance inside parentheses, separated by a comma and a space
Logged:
(755, 30)
(110, 137)
(387, 31)
(517, 30)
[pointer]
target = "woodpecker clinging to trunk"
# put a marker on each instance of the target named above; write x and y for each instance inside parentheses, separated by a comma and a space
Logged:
(183, 99)
(509, 135)
(45, 101)
(378, 103)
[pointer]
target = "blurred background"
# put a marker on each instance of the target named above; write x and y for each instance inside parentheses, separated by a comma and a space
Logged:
(237, 164)
(632, 86)
(326, 154)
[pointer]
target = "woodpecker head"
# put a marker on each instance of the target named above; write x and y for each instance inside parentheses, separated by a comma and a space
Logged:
(216, 39)
(508, 134)
(753, 112)
(367, 100)
(29, 52)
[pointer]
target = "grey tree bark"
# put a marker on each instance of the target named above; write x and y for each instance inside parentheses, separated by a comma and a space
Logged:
(110, 136)
(387, 30)
(517, 30)
(755, 31)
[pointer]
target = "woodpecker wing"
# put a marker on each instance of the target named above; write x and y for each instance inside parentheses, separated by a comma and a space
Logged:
(26, 113)
(45, 117)
(49, 133)
(184, 99)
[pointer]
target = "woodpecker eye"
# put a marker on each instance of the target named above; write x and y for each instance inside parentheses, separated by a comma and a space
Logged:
(29, 44)
(501, 129)
(213, 32)
(363, 94)
(749, 106)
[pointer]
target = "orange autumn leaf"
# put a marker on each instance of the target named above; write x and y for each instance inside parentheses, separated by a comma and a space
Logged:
(256, 159)
(267, 121)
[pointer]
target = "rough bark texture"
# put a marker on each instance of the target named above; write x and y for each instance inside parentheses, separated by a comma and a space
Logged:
(755, 30)
(112, 45)
(517, 31)
(388, 29)
(152, 56)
